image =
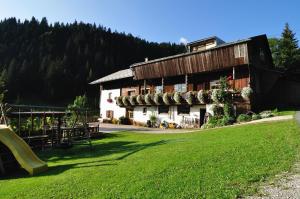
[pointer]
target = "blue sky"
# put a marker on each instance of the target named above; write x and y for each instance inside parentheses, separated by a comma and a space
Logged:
(167, 20)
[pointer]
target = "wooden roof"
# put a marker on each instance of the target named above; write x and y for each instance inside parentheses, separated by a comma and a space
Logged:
(121, 74)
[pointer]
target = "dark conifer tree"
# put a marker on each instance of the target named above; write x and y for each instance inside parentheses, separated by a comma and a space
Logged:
(52, 63)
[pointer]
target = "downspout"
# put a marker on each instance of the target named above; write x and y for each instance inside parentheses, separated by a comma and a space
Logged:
(100, 93)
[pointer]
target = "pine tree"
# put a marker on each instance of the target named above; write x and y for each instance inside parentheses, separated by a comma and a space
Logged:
(288, 49)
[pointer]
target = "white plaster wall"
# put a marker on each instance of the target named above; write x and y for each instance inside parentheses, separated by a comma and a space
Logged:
(139, 116)
(209, 108)
(172, 116)
(106, 106)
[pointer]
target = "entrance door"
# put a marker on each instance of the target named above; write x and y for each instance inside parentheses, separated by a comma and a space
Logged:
(202, 116)
(129, 114)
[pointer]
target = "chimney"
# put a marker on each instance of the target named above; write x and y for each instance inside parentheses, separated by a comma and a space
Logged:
(146, 59)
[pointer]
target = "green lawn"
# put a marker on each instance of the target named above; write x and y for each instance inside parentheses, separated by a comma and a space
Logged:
(220, 163)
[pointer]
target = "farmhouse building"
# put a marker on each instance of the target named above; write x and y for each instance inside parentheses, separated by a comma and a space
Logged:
(163, 86)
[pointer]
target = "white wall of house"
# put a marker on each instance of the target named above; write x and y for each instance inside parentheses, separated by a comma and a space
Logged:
(107, 106)
(140, 115)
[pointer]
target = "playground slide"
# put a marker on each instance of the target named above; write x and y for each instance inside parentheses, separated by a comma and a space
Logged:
(22, 152)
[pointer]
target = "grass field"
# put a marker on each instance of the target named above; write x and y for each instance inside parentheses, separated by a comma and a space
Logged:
(220, 163)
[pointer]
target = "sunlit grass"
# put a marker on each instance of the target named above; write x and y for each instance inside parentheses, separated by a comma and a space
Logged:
(220, 163)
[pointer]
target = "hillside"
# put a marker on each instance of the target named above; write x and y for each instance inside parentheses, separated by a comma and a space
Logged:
(51, 63)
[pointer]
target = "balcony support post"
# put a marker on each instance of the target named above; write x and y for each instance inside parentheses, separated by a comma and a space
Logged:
(145, 87)
(233, 77)
(186, 82)
(100, 94)
(162, 85)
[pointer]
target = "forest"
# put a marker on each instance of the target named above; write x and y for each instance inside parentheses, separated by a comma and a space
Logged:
(44, 63)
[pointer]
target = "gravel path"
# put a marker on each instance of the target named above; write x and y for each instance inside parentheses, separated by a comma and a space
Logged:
(286, 185)
(110, 128)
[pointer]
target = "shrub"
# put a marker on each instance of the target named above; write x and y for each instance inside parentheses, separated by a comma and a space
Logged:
(275, 111)
(107, 121)
(224, 121)
(216, 95)
(132, 100)
(217, 110)
(114, 121)
(153, 119)
(246, 93)
(140, 99)
(256, 117)
(167, 98)
(266, 114)
(228, 110)
(244, 118)
(125, 100)
(149, 98)
(158, 98)
(177, 97)
(203, 96)
(124, 120)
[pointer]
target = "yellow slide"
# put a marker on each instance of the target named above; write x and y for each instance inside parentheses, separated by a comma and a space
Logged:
(22, 152)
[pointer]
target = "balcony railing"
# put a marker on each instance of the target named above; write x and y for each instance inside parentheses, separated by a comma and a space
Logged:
(180, 98)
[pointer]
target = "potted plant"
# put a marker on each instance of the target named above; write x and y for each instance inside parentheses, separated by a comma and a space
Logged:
(119, 101)
(203, 96)
(177, 97)
(167, 98)
(190, 97)
(153, 119)
(149, 98)
(132, 100)
(140, 99)
(125, 100)
(158, 98)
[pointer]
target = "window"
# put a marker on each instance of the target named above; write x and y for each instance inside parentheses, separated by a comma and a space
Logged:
(144, 110)
(130, 114)
(183, 109)
(214, 84)
(143, 91)
(109, 95)
(262, 55)
(239, 50)
(180, 88)
(109, 114)
(158, 89)
(163, 109)
(131, 93)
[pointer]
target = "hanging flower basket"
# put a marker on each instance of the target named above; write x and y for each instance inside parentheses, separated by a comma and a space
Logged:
(149, 98)
(167, 98)
(140, 99)
(177, 97)
(132, 100)
(125, 100)
(119, 101)
(246, 93)
(158, 98)
(203, 96)
(190, 97)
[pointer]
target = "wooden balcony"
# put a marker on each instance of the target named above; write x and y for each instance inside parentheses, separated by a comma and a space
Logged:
(186, 98)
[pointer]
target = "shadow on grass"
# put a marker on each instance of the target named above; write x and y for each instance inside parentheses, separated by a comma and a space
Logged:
(124, 148)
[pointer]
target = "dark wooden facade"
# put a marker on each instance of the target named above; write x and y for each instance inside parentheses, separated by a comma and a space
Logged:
(215, 59)
(245, 61)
